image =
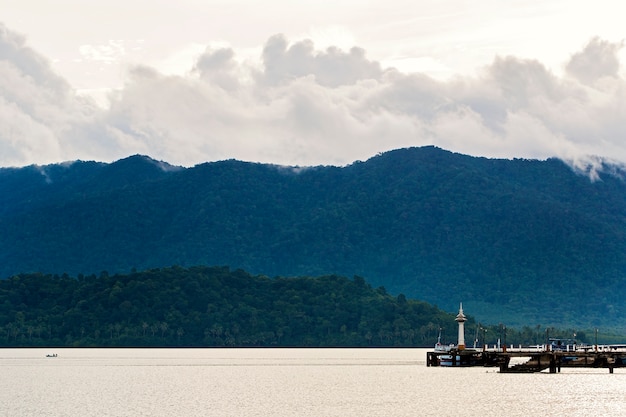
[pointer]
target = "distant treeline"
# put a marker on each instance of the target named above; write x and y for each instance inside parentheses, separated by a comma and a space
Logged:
(214, 306)
(209, 306)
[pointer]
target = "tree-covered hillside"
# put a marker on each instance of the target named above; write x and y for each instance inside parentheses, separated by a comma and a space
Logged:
(523, 242)
(202, 306)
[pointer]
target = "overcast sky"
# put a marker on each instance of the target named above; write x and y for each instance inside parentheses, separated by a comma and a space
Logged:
(309, 82)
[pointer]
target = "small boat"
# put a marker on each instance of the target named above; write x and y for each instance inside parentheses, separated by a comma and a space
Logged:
(444, 360)
(439, 347)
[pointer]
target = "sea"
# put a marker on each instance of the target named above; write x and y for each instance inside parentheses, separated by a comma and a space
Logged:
(289, 382)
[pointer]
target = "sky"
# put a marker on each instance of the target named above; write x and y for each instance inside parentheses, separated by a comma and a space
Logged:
(310, 82)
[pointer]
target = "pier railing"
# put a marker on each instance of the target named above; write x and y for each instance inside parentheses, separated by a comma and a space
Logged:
(552, 348)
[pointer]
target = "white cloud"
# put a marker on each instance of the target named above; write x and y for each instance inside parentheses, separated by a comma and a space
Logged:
(284, 63)
(598, 60)
(108, 53)
(43, 121)
(217, 66)
(298, 104)
(23, 139)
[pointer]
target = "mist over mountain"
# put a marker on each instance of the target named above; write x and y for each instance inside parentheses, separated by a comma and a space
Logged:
(523, 242)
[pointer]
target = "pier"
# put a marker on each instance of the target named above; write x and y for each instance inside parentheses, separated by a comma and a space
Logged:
(554, 355)
(532, 359)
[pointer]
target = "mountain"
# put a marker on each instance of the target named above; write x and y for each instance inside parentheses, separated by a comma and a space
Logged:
(523, 242)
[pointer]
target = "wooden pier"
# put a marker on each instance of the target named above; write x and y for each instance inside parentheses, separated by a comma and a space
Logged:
(532, 359)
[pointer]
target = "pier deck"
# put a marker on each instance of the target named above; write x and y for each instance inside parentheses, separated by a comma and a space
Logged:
(532, 359)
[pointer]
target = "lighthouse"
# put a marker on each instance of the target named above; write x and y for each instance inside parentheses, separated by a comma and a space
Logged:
(461, 319)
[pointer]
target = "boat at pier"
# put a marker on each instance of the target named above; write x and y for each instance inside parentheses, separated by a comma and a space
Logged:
(554, 355)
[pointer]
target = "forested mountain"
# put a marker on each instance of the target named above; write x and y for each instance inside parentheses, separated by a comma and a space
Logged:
(517, 241)
(210, 306)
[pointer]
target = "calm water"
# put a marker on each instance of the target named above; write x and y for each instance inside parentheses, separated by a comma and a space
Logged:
(288, 382)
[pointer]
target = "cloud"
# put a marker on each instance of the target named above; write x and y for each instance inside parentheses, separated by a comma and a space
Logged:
(28, 63)
(42, 120)
(217, 66)
(108, 53)
(30, 95)
(598, 60)
(284, 63)
(296, 105)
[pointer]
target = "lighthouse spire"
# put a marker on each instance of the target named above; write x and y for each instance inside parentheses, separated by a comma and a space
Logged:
(461, 319)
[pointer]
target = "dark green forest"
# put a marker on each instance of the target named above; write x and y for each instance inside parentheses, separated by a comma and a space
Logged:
(524, 242)
(214, 306)
(203, 306)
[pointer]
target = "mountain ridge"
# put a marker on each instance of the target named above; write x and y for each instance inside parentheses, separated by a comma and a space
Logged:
(516, 240)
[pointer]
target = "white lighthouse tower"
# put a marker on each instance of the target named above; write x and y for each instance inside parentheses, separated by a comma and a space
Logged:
(461, 319)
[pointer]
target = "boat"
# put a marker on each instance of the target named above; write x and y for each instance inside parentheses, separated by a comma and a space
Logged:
(444, 360)
(439, 347)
